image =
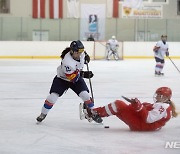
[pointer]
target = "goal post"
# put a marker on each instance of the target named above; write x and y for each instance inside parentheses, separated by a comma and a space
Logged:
(100, 51)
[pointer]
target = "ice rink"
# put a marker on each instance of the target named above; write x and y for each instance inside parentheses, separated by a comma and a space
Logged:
(25, 85)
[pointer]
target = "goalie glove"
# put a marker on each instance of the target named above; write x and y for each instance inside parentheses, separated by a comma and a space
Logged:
(86, 74)
(136, 104)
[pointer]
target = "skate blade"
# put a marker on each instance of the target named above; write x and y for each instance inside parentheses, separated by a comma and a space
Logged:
(158, 75)
(83, 114)
(38, 123)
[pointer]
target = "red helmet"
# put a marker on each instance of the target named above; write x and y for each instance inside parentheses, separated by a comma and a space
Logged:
(163, 94)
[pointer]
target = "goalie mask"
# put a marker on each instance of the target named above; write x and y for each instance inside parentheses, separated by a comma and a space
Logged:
(162, 94)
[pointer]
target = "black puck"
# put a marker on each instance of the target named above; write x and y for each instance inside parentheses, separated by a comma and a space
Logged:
(106, 126)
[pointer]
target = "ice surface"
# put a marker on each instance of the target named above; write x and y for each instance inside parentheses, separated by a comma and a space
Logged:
(24, 84)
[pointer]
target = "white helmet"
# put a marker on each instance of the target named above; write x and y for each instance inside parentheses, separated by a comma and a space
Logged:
(113, 37)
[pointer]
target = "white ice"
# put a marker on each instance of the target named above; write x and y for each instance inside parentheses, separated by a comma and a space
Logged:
(24, 84)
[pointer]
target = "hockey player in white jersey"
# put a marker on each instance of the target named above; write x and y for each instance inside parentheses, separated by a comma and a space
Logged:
(160, 50)
(70, 74)
(112, 48)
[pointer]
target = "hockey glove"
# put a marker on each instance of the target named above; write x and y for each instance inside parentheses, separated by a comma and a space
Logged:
(136, 104)
(86, 74)
(86, 58)
(167, 54)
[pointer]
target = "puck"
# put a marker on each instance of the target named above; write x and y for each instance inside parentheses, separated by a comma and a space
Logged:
(106, 126)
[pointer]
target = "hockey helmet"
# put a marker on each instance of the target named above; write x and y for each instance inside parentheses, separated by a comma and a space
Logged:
(77, 46)
(162, 94)
(163, 35)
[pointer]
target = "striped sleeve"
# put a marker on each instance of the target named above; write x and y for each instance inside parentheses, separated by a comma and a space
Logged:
(111, 109)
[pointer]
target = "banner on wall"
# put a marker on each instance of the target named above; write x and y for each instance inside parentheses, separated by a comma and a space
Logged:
(92, 21)
(145, 12)
(73, 8)
(38, 8)
(55, 9)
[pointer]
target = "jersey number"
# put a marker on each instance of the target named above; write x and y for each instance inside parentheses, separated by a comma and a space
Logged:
(161, 109)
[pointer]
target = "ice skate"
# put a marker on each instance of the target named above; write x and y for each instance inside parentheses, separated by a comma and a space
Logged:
(92, 114)
(41, 117)
(117, 58)
(83, 114)
(158, 74)
(96, 118)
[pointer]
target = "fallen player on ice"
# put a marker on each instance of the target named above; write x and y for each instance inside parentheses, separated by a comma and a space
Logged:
(142, 116)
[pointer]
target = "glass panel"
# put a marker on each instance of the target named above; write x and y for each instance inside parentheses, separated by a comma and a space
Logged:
(53, 27)
(126, 29)
(173, 30)
(11, 28)
(22, 29)
(69, 29)
(156, 27)
(160, 1)
(1, 28)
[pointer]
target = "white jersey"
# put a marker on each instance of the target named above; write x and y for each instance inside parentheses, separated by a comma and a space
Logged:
(158, 112)
(69, 66)
(113, 44)
(162, 50)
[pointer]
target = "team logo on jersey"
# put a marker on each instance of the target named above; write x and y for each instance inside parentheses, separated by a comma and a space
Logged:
(67, 68)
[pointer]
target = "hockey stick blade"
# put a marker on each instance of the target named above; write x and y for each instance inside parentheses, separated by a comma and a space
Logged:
(127, 99)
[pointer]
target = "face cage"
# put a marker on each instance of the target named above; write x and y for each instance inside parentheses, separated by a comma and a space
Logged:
(160, 98)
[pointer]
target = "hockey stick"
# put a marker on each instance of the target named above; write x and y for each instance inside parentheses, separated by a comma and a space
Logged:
(83, 113)
(127, 99)
(174, 64)
(102, 44)
(90, 82)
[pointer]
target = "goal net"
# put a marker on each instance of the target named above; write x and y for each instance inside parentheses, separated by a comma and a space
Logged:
(100, 51)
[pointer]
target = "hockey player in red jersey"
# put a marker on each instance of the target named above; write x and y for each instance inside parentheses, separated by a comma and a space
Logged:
(143, 116)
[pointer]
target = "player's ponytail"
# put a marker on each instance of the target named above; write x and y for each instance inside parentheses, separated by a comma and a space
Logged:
(65, 51)
(174, 113)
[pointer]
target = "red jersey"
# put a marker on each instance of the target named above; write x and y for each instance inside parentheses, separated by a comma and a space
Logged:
(150, 117)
